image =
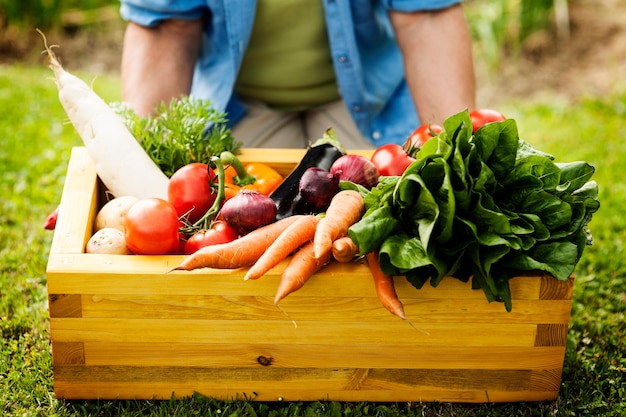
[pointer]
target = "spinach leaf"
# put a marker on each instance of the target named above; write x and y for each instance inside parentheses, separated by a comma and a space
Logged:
(483, 207)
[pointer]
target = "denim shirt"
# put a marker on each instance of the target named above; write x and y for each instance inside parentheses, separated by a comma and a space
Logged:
(367, 61)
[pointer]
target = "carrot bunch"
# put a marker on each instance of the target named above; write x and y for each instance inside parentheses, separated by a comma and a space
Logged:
(239, 253)
(308, 241)
(345, 209)
(307, 237)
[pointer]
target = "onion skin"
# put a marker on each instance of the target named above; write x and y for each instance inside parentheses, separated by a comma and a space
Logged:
(248, 210)
(317, 188)
(357, 169)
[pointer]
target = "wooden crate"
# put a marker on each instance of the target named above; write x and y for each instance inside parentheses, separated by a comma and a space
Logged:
(121, 327)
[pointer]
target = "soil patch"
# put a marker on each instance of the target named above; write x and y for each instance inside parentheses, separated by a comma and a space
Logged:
(590, 61)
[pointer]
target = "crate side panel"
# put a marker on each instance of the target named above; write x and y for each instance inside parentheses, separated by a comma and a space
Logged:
(198, 331)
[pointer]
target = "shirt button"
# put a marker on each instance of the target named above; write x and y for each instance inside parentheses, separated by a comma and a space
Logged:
(343, 58)
(376, 134)
(356, 108)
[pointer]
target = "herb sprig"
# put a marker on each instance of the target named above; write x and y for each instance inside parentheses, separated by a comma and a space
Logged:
(185, 131)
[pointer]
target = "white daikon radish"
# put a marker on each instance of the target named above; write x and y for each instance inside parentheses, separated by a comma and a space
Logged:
(121, 163)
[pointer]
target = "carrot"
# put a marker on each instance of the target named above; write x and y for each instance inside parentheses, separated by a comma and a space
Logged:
(120, 161)
(297, 234)
(301, 267)
(344, 249)
(385, 288)
(345, 209)
(241, 252)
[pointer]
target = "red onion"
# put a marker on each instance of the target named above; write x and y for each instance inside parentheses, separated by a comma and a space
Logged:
(357, 169)
(317, 188)
(248, 210)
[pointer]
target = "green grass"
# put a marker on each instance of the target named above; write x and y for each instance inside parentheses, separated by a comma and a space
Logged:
(35, 142)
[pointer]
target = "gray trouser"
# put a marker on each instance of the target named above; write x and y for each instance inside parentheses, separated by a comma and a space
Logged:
(264, 127)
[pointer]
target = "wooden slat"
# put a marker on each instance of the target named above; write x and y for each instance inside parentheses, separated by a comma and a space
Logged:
(317, 378)
(78, 205)
(218, 307)
(307, 384)
(68, 353)
(64, 305)
(396, 333)
(553, 289)
(133, 274)
(255, 355)
(155, 390)
(551, 334)
(548, 379)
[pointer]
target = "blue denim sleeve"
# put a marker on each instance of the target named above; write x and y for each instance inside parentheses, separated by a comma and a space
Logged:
(414, 5)
(150, 12)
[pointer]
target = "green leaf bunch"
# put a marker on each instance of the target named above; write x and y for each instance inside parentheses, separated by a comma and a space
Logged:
(483, 207)
(186, 130)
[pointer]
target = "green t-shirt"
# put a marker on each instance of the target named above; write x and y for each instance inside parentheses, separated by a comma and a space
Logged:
(288, 64)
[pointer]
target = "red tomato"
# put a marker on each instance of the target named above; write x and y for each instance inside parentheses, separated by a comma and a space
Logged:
(220, 232)
(151, 227)
(189, 191)
(481, 117)
(391, 159)
(421, 135)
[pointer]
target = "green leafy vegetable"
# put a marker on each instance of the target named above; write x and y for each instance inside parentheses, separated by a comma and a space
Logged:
(484, 206)
(185, 131)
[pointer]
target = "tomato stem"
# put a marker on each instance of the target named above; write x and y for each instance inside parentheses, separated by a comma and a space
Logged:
(206, 221)
(243, 177)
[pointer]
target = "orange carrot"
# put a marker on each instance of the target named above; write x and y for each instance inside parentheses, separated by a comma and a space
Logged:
(345, 209)
(385, 288)
(297, 234)
(241, 252)
(344, 249)
(299, 270)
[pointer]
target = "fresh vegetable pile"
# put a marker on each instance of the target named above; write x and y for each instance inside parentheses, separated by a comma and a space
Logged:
(481, 205)
(468, 199)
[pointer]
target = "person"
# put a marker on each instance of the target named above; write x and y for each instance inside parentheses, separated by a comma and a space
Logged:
(286, 70)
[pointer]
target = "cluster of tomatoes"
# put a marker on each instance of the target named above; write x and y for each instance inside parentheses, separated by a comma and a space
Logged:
(153, 226)
(393, 159)
(189, 219)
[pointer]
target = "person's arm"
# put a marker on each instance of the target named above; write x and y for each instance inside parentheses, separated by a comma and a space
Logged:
(437, 50)
(158, 62)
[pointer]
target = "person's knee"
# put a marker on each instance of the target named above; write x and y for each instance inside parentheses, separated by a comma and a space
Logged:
(336, 115)
(266, 128)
